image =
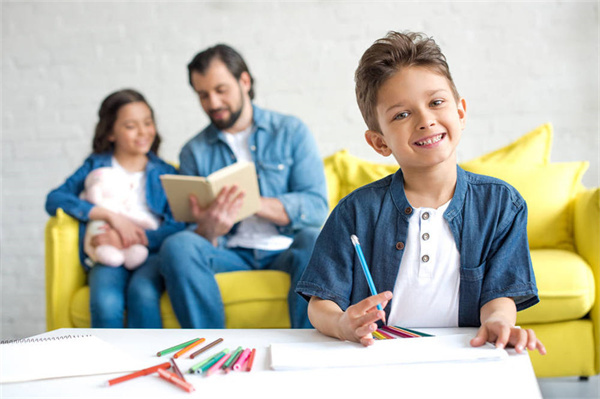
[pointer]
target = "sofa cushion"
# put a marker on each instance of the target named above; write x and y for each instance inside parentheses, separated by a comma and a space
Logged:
(252, 299)
(531, 148)
(565, 285)
(548, 190)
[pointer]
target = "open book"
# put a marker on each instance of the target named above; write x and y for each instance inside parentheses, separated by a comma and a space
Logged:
(206, 189)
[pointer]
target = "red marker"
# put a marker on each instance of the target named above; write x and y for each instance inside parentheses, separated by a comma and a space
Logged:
(173, 379)
(139, 373)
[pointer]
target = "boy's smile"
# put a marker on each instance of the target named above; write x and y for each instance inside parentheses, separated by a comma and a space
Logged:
(420, 120)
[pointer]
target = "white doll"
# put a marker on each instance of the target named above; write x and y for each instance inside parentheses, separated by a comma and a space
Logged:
(109, 189)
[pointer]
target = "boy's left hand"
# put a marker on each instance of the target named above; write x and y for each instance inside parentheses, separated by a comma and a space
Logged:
(503, 334)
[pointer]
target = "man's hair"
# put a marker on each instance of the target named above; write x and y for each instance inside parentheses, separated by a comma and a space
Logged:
(231, 58)
(385, 58)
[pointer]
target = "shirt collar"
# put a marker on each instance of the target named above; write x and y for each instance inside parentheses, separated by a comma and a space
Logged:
(404, 207)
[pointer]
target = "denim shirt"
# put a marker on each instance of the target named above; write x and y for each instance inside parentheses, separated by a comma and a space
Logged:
(66, 197)
(488, 220)
(288, 165)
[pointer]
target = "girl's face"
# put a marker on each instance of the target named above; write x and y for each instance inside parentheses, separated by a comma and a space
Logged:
(134, 131)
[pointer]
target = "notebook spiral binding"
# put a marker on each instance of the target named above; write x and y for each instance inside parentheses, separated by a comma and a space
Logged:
(32, 340)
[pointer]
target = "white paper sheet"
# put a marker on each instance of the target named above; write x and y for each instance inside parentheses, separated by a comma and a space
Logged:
(446, 348)
(63, 357)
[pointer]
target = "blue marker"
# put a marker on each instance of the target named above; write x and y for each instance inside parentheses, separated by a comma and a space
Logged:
(363, 262)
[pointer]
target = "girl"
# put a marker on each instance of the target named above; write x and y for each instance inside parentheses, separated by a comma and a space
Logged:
(126, 139)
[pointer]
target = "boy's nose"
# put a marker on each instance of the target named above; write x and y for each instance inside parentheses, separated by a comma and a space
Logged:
(426, 120)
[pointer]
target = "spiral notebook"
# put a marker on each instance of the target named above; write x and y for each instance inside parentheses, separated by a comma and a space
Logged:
(63, 356)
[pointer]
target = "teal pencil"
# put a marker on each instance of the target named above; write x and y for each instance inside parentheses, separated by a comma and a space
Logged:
(422, 334)
(195, 367)
(217, 357)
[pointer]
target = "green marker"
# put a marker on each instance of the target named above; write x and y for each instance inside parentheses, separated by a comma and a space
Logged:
(176, 347)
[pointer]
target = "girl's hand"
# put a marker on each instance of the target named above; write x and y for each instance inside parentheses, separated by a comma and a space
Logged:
(129, 232)
(109, 237)
(502, 334)
(359, 320)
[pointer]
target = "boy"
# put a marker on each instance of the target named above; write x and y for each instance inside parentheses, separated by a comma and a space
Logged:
(451, 245)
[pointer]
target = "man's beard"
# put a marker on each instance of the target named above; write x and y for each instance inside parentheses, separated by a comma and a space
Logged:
(225, 124)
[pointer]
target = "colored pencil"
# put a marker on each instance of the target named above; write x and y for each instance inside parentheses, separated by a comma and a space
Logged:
(250, 360)
(377, 335)
(139, 373)
(215, 367)
(214, 359)
(198, 352)
(227, 365)
(176, 347)
(173, 379)
(237, 366)
(397, 332)
(363, 263)
(385, 335)
(187, 348)
(422, 334)
(176, 370)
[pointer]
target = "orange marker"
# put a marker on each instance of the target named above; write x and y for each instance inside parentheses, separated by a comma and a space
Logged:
(187, 348)
(173, 379)
(250, 360)
(140, 373)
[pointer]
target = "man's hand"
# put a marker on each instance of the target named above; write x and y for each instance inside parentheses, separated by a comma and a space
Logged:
(219, 217)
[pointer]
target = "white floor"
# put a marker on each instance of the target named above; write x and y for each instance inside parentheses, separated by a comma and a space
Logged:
(570, 388)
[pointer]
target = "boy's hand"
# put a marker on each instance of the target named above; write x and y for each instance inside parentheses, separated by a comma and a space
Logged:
(502, 334)
(359, 320)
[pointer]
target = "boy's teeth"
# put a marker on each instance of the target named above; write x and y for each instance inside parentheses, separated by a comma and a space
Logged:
(430, 140)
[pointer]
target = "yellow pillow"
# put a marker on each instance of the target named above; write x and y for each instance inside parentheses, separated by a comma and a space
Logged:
(548, 191)
(532, 148)
(345, 173)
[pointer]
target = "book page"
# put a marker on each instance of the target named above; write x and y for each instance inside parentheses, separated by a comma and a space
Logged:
(446, 348)
(242, 174)
(178, 189)
(66, 356)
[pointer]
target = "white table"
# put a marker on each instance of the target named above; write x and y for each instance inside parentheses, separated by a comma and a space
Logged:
(509, 378)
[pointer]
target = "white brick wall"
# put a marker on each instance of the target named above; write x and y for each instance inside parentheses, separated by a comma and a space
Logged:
(518, 65)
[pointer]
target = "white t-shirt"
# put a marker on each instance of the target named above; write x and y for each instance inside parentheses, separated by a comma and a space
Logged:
(253, 232)
(426, 289)
(136, 205)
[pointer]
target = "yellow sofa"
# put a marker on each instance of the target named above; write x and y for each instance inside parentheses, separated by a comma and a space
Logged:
(563, 228)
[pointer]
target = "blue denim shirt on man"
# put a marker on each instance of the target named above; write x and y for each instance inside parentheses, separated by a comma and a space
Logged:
(66, 197)
(288, 164)
(487, 217)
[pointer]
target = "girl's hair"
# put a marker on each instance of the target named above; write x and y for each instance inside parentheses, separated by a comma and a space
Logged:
(389, 55)
(108, 115)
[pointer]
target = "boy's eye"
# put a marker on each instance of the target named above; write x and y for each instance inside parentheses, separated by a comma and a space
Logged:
(401, 115)
(435, 103)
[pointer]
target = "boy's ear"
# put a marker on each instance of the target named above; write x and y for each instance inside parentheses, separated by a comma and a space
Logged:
(462, 112)
(377, 141)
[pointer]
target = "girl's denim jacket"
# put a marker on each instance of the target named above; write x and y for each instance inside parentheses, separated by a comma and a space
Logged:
(487, 217)
(67, 198)
(287, 159)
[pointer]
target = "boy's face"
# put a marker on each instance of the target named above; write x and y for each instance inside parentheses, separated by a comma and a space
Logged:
(421, 122)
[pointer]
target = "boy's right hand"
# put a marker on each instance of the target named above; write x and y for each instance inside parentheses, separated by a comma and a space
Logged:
(359, 320)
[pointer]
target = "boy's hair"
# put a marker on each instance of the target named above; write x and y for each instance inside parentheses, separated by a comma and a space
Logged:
(231, 58)
(389, 55)
(108, 115)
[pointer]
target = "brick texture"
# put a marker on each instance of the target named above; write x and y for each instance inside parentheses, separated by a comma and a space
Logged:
(518, 65)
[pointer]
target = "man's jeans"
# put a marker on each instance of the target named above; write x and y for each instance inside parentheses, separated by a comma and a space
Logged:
(189, 263)
(115, 289)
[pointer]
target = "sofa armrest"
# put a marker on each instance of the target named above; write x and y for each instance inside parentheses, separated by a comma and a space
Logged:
(64, 273)
(586, 229)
